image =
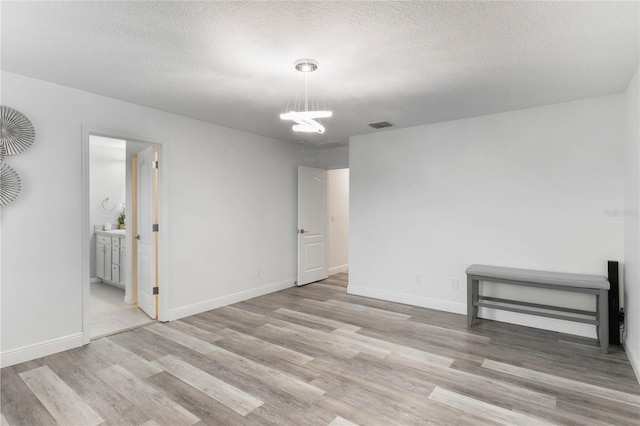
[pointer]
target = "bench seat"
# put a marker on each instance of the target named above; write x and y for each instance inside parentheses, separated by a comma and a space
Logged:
(592, 284)
(542, 277)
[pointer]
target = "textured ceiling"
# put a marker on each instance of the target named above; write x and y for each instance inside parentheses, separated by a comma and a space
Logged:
(409, 63)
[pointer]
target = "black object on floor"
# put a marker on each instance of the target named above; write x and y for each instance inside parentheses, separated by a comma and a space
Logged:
(614, 304)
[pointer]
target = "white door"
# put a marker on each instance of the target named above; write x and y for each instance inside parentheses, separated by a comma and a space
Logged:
(312, 225)
(147, 238)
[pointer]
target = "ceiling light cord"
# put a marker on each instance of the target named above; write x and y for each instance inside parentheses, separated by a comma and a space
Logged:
(306, 88)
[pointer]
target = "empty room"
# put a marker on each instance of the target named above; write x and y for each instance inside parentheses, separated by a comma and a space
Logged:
(319, 213)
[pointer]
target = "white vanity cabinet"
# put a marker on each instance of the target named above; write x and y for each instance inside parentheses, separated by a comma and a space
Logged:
(110, 257)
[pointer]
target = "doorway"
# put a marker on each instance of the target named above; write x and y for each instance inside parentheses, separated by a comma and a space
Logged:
(113, 301)
(109, 255)
(338, 212)
(323, 223)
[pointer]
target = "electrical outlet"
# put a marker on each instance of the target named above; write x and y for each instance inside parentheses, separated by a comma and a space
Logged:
(418, 279)
(258, 272)
(454, 283)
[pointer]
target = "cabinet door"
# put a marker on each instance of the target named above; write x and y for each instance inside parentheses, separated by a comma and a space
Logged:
(107, 263)
(115, 273)
(100, 261)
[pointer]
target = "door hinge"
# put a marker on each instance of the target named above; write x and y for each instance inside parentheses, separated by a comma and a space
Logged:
(155, 290)
(155, 164)
(154, 227)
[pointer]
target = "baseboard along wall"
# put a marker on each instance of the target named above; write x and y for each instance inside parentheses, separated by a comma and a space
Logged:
(219, 302)
(40, 349)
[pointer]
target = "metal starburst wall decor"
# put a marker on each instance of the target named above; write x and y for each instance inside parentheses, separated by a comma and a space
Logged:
(16, 136)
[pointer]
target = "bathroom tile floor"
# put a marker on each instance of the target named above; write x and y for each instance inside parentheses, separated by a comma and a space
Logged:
(109, 313)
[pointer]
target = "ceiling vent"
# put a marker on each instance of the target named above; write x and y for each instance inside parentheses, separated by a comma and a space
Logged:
(380, 124)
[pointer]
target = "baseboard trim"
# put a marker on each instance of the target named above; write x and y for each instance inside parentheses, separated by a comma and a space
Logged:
(634, 359)
(38, 350)
(95, 280)
(338, 269)
(409, 299)
(219, 302)
(551, 324)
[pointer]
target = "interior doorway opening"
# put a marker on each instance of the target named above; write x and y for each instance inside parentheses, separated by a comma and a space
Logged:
(113, 221)
(338, 219)
(323, 223)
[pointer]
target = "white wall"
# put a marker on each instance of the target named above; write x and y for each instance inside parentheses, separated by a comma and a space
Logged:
(107, 179)
(326, 158)
(234, 211)
(231, 200)
(334, 158)
(527, 189)
(632, 226)
(338, 206)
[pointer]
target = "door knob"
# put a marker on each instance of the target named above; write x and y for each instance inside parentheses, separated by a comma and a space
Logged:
(302, 231)
(138, 237)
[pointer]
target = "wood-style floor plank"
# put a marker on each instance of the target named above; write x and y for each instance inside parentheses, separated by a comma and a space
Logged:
(276, 378)
(239, 401)
(137, 365)
(79, 374)
(483, 410)
(18, 404)
(258, 345)
(354, 412)
(315, 355)
(392, 348)
(59, 399)
(564, 383)
(160, 408)
(476, 385)
(273, 359)
(339, 421)
(210, 411)
(301, 339)
(320, 320)
(182, 338)
(194, 331)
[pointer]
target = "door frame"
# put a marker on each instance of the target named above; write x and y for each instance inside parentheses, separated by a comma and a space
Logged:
(85, 233)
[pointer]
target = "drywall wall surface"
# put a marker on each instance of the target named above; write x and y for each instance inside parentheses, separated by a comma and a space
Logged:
(234, 216)
(324, 158)
(631, 218)
(231, 200)
(333, 158)
(531, 188)
(338, 205)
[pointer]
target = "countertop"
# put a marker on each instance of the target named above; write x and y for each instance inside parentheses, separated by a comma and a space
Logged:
(111, 233)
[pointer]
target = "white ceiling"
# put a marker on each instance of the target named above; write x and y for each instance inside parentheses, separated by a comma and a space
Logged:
(410, 63)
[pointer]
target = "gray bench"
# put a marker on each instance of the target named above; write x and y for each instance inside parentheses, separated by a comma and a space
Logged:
(591, 284)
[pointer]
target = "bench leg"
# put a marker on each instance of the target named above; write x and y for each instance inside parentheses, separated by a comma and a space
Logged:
(472, 298)
(603, 319)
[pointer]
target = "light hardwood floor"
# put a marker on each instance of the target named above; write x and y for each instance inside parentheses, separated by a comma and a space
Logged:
(315, 355)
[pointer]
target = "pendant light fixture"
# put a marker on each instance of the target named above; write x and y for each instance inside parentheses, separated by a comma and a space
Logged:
(305, 119)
